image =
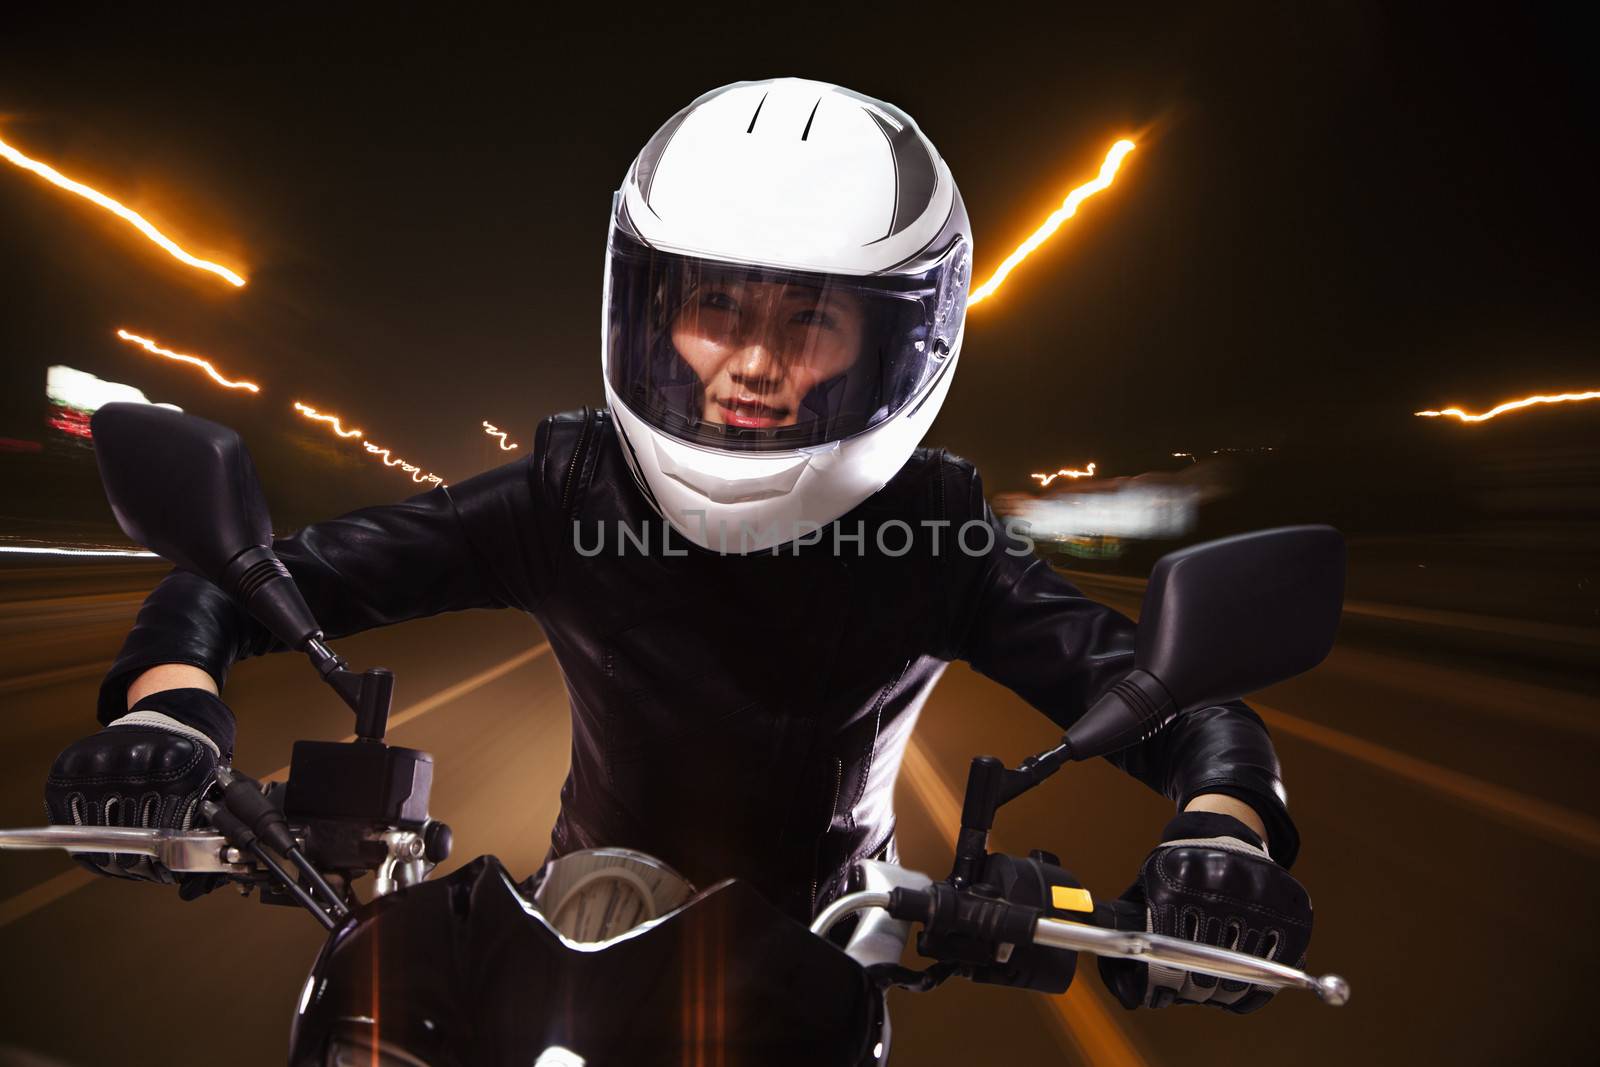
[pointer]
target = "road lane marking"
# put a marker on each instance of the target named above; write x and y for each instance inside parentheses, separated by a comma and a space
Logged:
(53, 889)
(1081, 1013)
(56, 676)
(1498, 625)
(1487, 694)
(1557, 823)
(46, 892)
(444, 696)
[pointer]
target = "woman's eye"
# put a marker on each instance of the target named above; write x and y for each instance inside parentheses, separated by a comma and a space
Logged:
(719, 301)
(815, 317)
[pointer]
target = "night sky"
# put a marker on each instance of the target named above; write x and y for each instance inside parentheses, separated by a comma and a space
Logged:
(1337, 214)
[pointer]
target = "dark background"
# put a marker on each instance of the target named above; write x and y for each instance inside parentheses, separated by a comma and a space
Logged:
(1338, 214)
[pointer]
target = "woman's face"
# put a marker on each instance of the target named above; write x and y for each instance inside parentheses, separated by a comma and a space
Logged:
(759, 347)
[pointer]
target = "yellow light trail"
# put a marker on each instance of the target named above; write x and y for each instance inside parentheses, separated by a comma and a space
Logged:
(389, 460)
(1510, 405)
(150, 346)
(333, 420)
(128, 215)
(1068, 208)
(494, 431)
(1046, 479)
(381, 453)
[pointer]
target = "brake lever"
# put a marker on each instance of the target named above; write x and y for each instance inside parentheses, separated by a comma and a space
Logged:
(179, 851)
(1191, 956)
(980, 920)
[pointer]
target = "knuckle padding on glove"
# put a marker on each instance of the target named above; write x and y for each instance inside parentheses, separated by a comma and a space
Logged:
(1258, 920)
(1211, 881)
(1233, 900)
(196, 756)
(148, 773)
(198, 709)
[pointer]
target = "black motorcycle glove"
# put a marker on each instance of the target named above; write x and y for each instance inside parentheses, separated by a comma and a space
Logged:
(1210, 881)
(147, 769)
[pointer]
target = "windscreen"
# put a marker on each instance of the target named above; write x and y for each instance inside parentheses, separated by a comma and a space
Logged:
(754, 359)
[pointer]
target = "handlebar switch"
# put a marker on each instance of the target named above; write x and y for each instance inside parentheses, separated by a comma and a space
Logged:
(960, 926)
(1041, 885)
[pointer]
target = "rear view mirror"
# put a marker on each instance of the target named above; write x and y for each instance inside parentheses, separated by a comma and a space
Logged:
(187, 489)
(1233, 616)
(1220, 620)
(181, 486)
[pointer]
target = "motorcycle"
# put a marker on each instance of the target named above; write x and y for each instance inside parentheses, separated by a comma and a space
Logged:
(608, 955)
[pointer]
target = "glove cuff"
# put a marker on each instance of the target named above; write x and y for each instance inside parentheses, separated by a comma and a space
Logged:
(198, 709)
(1190, 825)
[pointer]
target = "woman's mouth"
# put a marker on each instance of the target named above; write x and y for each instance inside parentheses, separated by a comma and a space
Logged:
(750, 414)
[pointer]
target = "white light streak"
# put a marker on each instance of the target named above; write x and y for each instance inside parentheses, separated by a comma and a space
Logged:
(52, 550)
(73, 388)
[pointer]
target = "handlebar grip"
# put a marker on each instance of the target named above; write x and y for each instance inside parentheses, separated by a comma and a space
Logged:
(1118, 915)
(960, 926)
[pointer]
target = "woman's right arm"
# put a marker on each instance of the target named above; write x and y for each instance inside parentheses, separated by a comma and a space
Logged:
(167, 676)
(165, 728)
(474, 545)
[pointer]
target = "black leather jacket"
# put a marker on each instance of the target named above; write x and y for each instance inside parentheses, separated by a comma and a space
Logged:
(735, 715)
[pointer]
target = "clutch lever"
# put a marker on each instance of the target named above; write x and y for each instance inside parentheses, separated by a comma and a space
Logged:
(179, 851)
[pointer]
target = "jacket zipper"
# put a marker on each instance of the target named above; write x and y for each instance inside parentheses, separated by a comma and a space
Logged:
(838, 783)
(577, 455)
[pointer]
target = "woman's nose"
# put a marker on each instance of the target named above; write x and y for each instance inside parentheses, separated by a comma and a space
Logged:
(756, 365)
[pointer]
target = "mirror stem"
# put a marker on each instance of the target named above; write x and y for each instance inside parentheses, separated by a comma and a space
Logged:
(984, 784)
(1034, 770)
(369, 695)
(1134, 709)
(372, 705)
(990, 784)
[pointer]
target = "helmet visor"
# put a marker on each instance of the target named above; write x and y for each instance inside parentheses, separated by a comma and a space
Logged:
(755, 359)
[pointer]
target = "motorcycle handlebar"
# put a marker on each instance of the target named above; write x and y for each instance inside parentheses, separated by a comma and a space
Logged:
(1005, 920)
(204, 851)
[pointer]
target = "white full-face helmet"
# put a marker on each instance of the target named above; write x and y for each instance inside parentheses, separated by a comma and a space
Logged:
(786, 286)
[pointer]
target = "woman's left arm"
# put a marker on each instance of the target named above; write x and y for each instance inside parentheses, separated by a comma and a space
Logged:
(1023, 624)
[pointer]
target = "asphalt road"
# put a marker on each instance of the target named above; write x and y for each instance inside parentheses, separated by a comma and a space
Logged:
(1439, 766)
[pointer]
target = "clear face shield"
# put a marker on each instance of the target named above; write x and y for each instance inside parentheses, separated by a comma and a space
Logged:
(756, 359)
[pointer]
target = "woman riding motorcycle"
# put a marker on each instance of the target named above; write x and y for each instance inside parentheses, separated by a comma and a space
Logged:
(785, 295)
